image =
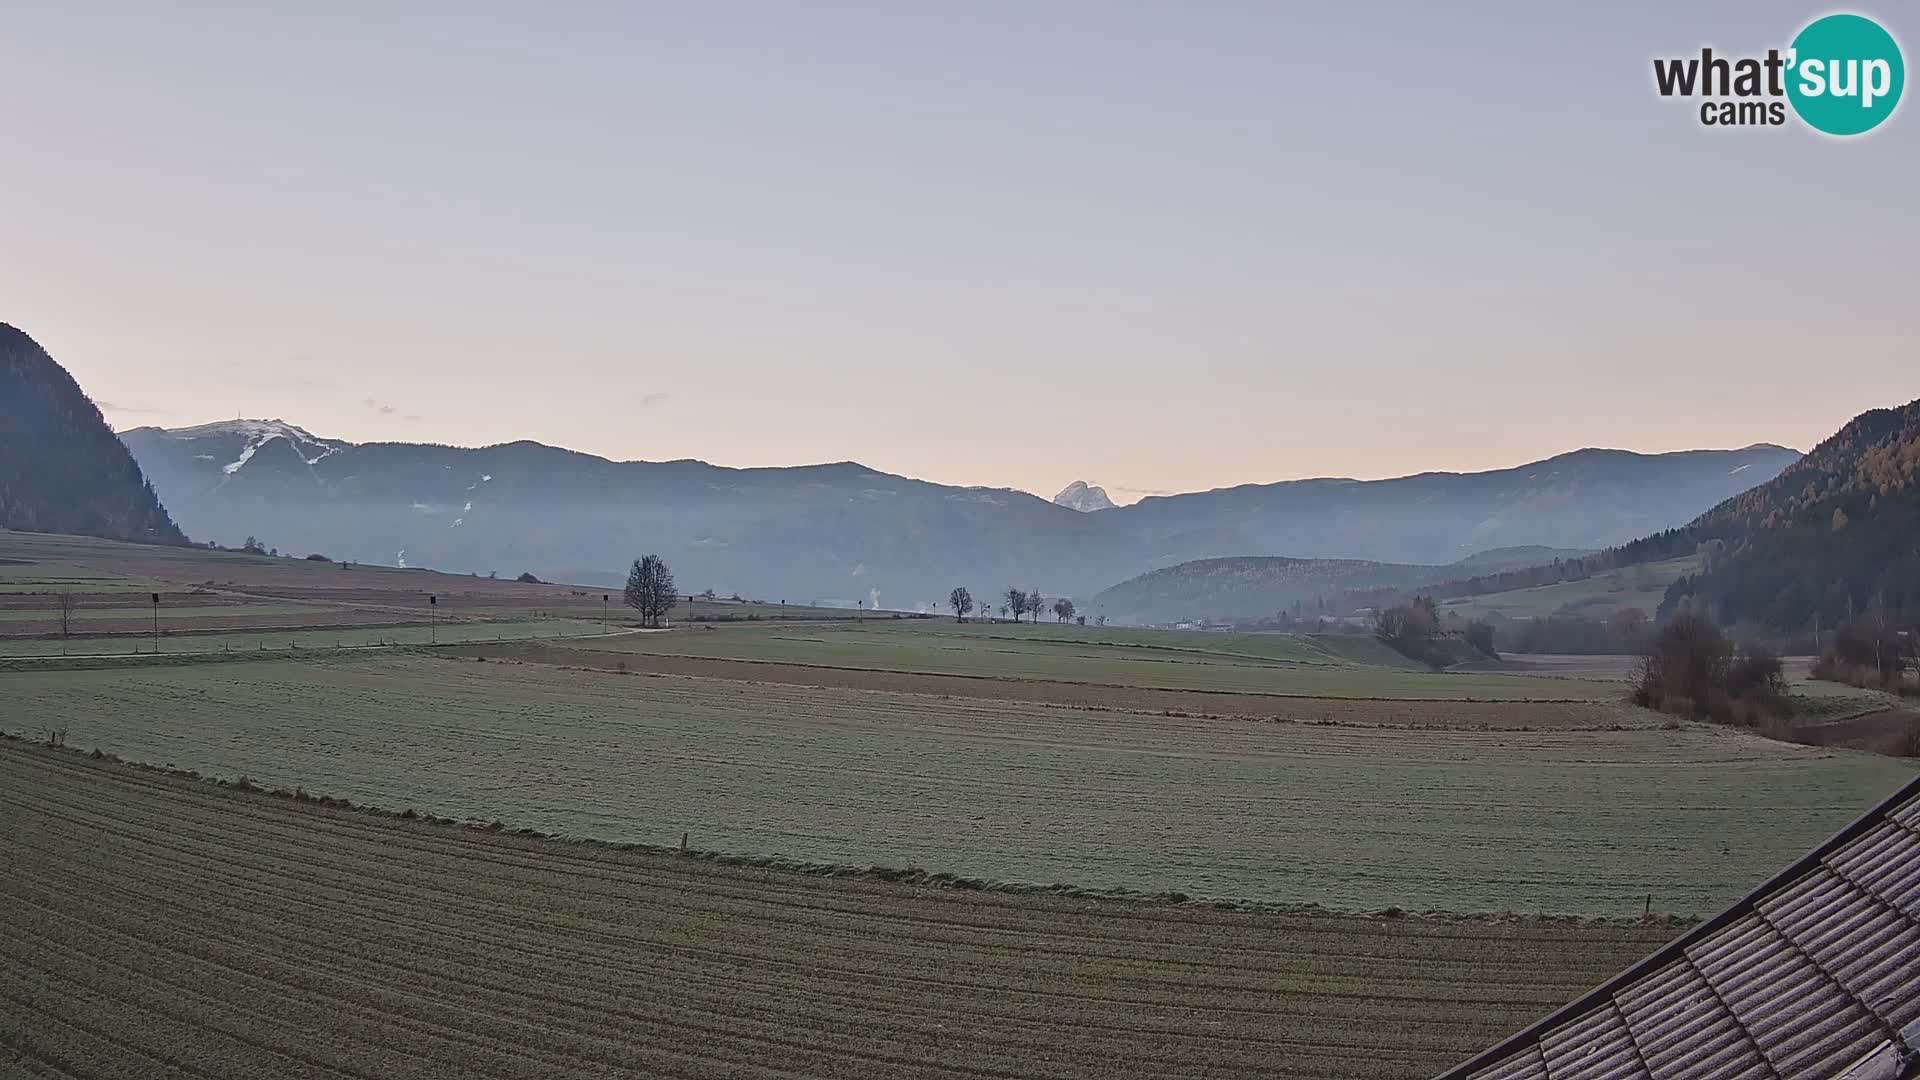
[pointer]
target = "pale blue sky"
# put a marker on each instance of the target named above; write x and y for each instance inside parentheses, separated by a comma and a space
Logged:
(1155, 246)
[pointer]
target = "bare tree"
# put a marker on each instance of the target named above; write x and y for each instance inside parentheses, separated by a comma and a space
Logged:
(63, 607)
(961, 601)
(1016, 603)
(1036, 604)
(650, 589)
(1063, 610)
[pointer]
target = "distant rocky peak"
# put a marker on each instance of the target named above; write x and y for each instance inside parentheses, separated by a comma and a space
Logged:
(1083, 497)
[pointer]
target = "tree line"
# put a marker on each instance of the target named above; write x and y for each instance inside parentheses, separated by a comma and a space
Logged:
(1017, 603)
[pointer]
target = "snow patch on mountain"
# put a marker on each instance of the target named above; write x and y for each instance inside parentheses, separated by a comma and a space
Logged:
(255, 434)
(246, 455)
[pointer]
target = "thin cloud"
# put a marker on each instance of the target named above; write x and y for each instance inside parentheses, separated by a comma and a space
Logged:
(136, 409)
(648, 401)
(1141, 491)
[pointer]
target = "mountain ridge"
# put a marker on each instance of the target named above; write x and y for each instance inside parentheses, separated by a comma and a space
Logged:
(840, 529)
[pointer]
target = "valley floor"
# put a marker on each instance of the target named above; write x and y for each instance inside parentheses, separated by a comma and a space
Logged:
(819, 768)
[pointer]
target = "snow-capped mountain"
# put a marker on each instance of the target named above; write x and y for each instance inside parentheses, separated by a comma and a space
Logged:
(215, 442)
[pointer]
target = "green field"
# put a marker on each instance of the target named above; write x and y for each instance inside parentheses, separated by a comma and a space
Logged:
(1587, 821)
(153, 926)
(1642, 587)
(1300, 665)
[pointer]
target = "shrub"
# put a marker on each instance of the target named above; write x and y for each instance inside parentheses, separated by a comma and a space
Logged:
(1868, 652)
(526, 578)
(1690, 670)
(1684, 667)
(1480, 636)
(1756, 668)
(1412, 630)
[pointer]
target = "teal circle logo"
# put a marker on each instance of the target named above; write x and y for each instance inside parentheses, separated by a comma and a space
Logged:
(1845, 75)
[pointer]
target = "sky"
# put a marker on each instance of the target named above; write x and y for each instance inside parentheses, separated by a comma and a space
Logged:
(1159, 247)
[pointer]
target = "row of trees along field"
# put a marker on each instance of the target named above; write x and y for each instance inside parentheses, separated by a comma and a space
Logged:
(1018, 603)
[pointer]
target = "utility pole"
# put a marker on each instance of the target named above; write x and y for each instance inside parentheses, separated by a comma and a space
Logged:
(156, 623)
(433, 619)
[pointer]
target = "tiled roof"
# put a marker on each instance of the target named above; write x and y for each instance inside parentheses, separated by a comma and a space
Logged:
(1815, 975)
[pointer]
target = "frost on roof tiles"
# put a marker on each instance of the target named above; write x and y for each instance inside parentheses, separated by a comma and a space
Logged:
(1815, 975)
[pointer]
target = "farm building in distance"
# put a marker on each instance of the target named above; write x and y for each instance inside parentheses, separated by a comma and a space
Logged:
(1815, 975)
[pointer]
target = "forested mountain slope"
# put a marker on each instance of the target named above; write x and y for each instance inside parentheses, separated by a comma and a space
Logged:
(1834, 535)
(61, 467)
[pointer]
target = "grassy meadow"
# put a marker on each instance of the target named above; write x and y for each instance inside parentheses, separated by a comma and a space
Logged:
(1642, 586)
(1586, 821)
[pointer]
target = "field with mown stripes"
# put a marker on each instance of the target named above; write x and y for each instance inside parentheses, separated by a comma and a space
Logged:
(1561, 821)
(152, 925)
